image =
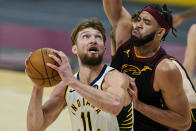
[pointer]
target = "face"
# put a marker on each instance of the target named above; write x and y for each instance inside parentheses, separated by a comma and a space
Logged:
(144, 29)
(90, 47)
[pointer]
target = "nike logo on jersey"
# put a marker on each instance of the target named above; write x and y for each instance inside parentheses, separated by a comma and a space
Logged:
(127, 52)
(71, 90)
(95, 86)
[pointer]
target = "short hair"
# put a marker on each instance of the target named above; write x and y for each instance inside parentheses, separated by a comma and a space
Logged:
(87, 23)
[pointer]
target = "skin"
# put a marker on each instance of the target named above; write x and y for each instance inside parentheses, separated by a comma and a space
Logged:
(190, 54)
(167, 76)
(189, 63)
(179, 18)
(112, 99)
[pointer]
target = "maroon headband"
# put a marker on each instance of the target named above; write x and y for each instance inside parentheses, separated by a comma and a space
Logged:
(159, 18)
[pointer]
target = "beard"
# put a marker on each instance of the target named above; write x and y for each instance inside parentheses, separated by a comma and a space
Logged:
(91, 60)
(142, 41)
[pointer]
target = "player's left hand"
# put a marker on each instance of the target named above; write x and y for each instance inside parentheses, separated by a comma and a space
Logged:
(133, 92)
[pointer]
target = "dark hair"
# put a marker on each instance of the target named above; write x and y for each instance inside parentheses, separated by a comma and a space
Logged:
(163, 11)
(93, 23)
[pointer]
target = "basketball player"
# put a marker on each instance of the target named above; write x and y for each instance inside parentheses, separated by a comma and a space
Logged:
(159, 95)
(189, 63)
(93, 96)
(189, 58)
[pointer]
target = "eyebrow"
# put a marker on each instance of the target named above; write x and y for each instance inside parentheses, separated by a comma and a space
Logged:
(84, 32)
(89, 31)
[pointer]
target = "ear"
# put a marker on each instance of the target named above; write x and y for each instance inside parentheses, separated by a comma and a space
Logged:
(160, 33)
(74, 49)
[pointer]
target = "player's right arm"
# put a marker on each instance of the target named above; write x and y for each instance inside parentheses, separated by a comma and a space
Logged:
(39, 116)
(120, 19)
(179, 18)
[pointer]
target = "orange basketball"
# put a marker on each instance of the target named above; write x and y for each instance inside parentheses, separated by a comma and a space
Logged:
(38, 71)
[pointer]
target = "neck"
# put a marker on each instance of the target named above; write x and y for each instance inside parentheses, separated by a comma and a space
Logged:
(147, 50)
(89, 73)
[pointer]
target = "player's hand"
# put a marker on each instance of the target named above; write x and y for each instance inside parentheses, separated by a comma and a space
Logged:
(133, 92)
(63, 68)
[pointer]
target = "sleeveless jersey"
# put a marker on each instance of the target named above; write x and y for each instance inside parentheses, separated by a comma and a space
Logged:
(85, 116)
(142, 69)
(187, 82)
(193, 125)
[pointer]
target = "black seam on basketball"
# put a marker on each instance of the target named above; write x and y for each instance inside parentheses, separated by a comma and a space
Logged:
(45, 66)
(37, 71)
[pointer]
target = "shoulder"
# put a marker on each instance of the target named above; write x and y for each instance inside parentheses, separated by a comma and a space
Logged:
(166, 66)
(167, 74)
(115, 77)
(59, 90)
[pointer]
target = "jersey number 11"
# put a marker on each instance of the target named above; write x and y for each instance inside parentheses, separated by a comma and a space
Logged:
(88, 119)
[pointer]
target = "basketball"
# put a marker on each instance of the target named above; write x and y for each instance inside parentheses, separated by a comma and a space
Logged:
(38, 71)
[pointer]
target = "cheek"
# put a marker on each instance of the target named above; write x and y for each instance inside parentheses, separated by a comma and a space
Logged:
(146, 30)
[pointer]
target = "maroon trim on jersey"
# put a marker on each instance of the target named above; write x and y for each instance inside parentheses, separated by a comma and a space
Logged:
(153, 72)
(135, 58)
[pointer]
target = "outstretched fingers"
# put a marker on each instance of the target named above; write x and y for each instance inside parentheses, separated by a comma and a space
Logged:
(52, 66)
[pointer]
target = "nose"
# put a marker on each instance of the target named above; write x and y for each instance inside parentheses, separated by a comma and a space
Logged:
(93, 40)
(139, 24)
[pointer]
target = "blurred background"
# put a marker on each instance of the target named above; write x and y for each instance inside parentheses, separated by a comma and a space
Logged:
(26, 25)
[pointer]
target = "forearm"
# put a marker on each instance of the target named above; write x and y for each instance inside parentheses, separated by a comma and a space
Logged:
(113, 10)
(35, 118)
(188, 14)
(101, 99)
(165, 117)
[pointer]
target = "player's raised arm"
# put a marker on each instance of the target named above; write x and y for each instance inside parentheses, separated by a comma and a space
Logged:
(120, 19)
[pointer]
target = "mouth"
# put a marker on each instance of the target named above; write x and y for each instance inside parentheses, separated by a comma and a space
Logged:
(135, 33)
(93, 50)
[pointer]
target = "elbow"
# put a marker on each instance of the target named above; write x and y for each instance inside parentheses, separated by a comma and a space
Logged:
(116, 108)
(186, 124)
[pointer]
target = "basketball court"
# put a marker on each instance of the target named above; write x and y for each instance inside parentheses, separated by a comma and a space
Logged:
(15, 93)
(27, 25)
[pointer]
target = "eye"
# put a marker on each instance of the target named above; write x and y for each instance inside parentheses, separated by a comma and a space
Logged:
(98, 37)
(85, 36)
(147, 22)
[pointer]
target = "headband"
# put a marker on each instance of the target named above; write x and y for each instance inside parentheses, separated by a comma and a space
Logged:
(159, 18)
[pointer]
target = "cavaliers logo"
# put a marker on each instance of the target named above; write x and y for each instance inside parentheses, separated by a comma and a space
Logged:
(134, 69)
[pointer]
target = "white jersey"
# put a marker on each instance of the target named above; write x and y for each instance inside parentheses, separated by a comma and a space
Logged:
(85, 116)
